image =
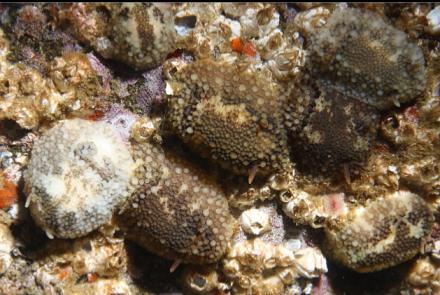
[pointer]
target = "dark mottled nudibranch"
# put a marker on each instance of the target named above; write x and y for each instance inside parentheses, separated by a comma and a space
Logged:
(231, 116)
(387, 231)
(338, 131)
(359, 54)
(176, 211)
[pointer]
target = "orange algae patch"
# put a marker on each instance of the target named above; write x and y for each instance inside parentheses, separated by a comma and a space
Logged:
(63, 273)
(249, 49)
(96, 115)
(92, 277)
(237, 45)
(246, 48)
(8, 192)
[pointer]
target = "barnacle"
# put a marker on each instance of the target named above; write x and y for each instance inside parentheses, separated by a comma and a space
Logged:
(138, 34)
(387, 231)
(255, 222)
(78, 175)
(231, 116)
(176, 211)
(29, 98)
(361, 55)
(338, 131)
(259, 267)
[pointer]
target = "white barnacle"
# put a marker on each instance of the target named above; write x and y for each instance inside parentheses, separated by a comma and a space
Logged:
(255, 222)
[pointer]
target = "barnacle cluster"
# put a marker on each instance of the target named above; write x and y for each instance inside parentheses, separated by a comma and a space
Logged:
(360, 55)
(387, 231)
(140, 35)
(29, 98)
(176, 210)
(230, 115)
(424, 277)
(77, 177)
(244, 33)
(259, 267)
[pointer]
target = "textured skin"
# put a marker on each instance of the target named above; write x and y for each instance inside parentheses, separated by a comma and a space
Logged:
(361, 55)
(231, 116)
(387, 232)
(176, 211)
(338, 131)
(77, 177)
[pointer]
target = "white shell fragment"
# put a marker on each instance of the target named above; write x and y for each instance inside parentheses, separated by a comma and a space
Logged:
(310, 262)
(433, 18)
(255, 222)
(6, 244)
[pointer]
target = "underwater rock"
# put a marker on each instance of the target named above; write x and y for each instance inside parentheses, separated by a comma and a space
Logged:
(359, 54)
(177, 211)
(386, 232)
(29, 98)
(77, 177)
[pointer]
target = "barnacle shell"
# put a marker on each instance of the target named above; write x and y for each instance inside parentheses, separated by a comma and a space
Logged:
(310, 262)
(361, 55)
(384, 233)
(424, 277)
(433, 18)
(311, 19)
(202, 281)
(303, 208)
(259, 267)
(254, 221)
(209, 30)
(263, 268)
(6, 244)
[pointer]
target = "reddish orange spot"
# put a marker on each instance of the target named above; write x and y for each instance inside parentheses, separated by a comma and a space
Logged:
(92, 277)
(96, 115)
(175, 54)
(381, 148)
(412, 113)
(8, 193)
(249, 49)
(64, 273)
(334, 204)
(237, 45)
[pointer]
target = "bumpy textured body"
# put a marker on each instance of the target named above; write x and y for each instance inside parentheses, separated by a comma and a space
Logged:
(176, 211)
(78, 175)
